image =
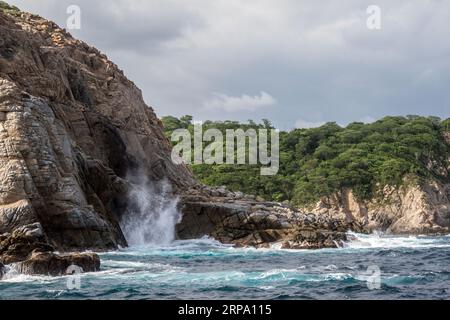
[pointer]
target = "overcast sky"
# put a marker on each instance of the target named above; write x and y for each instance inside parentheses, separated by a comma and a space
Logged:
(297, 63)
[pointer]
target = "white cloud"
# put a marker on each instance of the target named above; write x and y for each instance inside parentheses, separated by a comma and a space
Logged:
(303, 124)
(243, 103)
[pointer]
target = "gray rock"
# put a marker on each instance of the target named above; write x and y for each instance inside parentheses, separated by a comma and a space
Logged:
(68, 145)
(238, 195)
(2, 271)
(51, 264)
(252, 223)
(65, 150)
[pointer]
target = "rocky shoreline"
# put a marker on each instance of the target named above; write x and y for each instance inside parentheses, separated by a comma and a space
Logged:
(244, 220)
(72, 128)
(410, 210)
(31, 253)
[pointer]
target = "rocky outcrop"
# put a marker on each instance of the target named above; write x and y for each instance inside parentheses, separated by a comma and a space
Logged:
(412, 209)
(18, 245)
(245, 221)
(72, 127)
(28, 248)
(73, 133)
(51, 264)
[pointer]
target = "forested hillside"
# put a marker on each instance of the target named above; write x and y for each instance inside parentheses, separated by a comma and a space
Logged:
(320, 161)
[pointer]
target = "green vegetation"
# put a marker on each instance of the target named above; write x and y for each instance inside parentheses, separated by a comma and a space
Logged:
(6, 7)
(321, 161)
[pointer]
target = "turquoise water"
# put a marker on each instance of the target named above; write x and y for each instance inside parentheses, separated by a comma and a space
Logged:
(410, 268)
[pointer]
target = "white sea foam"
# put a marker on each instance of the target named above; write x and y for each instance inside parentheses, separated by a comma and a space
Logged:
(13, 276)
(277, 273)
(125, 266)
(210, 247)
(379, 240)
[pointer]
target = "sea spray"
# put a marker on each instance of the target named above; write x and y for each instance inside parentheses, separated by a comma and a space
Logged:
(152, 213)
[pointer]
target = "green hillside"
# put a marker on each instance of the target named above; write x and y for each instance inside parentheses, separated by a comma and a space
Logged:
(320, 161)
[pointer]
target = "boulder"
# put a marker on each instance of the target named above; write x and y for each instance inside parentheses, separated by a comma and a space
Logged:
(18, 245)
(29, 249)
(52, 264)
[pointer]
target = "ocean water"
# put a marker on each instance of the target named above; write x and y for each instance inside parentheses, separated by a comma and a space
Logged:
(368, 267)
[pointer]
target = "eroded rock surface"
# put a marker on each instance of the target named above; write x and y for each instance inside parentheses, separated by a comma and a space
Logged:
(28, 248)
(18, 245)
(72, 129)
(246, 221)
(412, 209)
(51, 264)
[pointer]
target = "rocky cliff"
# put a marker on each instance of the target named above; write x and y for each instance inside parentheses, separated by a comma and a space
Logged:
(72, 127)
(73, 130)
(411, 209)
(414, 208)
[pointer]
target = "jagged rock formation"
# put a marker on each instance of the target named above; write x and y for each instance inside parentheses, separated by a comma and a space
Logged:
(415, 208)
(72, 128)
(29, 249)
(242, 220)
(48, 263)
(420, 205)
(412, 209)
(17, 245)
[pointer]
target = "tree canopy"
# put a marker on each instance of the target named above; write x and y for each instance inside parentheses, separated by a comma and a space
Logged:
(320, 161)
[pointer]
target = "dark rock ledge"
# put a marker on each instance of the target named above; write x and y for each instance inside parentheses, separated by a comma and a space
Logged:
(28, 248)
(243, 220)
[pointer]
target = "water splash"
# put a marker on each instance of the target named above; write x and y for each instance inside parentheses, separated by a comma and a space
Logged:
(152, 213)
(383, 241)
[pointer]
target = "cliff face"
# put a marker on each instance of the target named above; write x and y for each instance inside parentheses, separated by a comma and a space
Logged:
(412, 209)
(74, 131)
(72, 127)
